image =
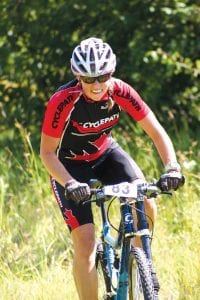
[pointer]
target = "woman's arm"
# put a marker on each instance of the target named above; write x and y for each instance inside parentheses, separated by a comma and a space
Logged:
(55, 168)
(160, 138)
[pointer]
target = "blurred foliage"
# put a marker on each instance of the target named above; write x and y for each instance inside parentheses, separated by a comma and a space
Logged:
(156, 43)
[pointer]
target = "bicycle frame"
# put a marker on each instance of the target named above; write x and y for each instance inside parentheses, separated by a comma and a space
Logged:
(127, 230)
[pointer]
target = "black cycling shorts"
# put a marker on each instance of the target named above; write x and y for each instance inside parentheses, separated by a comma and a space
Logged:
(113, 167)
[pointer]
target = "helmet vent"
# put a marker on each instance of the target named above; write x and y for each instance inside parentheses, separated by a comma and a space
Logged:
(92, 57)
(108, 54)
(103, 66)
(92, 67)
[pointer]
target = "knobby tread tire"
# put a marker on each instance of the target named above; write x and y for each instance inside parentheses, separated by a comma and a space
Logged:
(138, 260)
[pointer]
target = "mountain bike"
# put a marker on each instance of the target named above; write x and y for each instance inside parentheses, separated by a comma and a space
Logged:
(128, 272)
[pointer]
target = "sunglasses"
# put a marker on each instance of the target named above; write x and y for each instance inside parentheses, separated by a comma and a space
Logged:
(90, 80)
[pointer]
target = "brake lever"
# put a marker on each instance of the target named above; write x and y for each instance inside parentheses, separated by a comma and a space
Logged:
(156, 194)
(84, 202)
(166, 193)
(153, 195)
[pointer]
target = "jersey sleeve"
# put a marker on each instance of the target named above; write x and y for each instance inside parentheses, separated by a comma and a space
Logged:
(57, 112)
(129, 100)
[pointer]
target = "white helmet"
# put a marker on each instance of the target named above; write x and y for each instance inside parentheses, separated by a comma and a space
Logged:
(92, 58)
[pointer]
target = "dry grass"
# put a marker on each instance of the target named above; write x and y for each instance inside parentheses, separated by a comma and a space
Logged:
(35, 246)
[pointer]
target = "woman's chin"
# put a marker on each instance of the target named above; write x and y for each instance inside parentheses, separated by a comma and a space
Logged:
(95, 97)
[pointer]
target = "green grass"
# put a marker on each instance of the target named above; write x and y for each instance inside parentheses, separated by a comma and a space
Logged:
(35, 246)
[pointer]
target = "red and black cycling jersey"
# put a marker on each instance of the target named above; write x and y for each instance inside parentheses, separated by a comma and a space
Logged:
(84, 126)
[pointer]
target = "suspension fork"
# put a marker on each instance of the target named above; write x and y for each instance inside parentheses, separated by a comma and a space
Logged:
(143, 227)
(109, 248)
(146, 243)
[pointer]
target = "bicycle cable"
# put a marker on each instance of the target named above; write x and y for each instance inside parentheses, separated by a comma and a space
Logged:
(109, 205)
(136, 209)
(152, 223)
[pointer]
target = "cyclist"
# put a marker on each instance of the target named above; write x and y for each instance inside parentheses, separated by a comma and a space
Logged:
(77, 145)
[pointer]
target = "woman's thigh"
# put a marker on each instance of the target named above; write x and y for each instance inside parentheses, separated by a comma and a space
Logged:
(74, 214)
(118, 167)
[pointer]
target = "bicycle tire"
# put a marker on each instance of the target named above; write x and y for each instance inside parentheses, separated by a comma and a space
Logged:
(104, 279)
(140, 279)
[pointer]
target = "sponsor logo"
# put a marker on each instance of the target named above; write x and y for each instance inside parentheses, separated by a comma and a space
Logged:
(128, 218)
(100, 122)
(56, 193)
(128, 96)
(97, 126)
(59, 110)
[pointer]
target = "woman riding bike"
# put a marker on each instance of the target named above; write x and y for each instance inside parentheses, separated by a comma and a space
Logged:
(77, 145)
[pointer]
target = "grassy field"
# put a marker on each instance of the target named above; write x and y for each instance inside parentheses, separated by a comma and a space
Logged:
(35, 246)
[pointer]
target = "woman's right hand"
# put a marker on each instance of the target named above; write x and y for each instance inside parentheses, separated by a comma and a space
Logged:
(76, 191)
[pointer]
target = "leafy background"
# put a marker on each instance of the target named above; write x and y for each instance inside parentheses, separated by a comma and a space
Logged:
(156, 43)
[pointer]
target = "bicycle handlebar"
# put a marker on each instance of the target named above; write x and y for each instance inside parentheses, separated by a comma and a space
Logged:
(128, 190)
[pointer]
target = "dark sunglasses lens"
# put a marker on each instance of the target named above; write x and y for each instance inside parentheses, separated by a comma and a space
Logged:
(90, 80)
(103, 78)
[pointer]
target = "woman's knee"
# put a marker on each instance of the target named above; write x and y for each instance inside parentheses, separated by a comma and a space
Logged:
(84, 241)
(150, 208)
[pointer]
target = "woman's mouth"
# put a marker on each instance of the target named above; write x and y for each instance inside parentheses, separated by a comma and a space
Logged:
(96, 91)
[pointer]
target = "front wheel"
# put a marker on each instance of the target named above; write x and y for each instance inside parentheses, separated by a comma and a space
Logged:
(140, 279)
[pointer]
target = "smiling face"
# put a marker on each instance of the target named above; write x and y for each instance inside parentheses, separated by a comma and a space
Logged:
(95, 90)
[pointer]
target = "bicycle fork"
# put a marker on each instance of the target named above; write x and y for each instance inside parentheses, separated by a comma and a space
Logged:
(143, 232)
(109, 249)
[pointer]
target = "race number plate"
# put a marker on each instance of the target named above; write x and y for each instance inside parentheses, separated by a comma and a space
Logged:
(124, 189)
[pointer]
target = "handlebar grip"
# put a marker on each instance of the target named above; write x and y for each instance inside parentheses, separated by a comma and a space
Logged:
(95, 190)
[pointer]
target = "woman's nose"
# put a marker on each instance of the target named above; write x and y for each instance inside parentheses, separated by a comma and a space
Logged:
(97, 83)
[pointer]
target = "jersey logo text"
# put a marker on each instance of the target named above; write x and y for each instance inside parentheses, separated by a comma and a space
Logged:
(59, 110)
(128, 96)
